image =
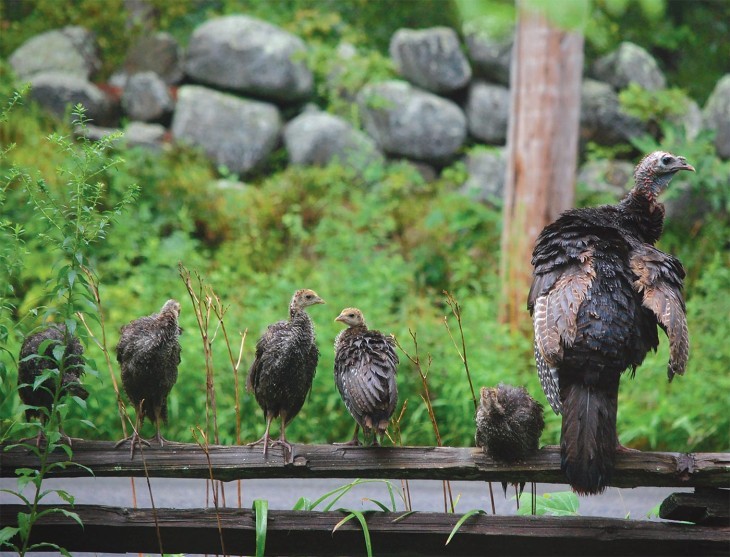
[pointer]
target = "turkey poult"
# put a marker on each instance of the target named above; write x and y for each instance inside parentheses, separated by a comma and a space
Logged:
(509, 423)
(599, 290)
(149, 353)
(282, 372)
(365, 368)
(32, 364)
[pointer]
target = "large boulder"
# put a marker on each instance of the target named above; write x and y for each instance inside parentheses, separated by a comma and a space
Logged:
(146, 97)
(57, 92)
(716, 116)
(487, 112)
(71, 50)
(430, 58)
(159, 53)
(408, 122)
(318, 138)
(244, 54)
(486, 172)
(490, 55)
(234, 132)
(601, 117)
(607, 176)
(630, 63)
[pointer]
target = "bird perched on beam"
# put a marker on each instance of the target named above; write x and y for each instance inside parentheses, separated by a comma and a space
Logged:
(32, 364)
(365, 367)
(282, 372)
(509, 424)
(600, 289)
(149, 354)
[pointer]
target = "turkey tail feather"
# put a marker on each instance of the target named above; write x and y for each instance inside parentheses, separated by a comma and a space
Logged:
(588, 437)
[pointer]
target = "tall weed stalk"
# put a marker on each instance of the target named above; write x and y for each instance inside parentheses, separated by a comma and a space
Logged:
(73, 217)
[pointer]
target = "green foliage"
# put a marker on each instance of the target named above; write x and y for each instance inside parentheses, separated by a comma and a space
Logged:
(652, 106)
(69, 220)
(559, 503)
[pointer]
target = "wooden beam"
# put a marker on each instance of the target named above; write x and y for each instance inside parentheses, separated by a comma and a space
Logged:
(710, 507)
(117, 530)
(187, 460)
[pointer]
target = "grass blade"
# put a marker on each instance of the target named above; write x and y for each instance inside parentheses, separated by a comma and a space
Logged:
(461, 521)
(261, 509)
(363, 524)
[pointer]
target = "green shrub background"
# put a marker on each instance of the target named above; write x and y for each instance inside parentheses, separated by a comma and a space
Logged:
(385, 241)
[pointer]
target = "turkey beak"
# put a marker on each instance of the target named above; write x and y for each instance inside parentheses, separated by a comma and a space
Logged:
(683, 165)
(340, 318)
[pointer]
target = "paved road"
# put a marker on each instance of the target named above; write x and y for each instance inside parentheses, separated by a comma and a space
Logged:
(426, 495)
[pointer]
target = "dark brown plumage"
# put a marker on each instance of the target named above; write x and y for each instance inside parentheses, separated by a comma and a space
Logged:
(365, 368)
(282, 372)
(149, 353)
(599, 290)
(509, 423)
(31, 365)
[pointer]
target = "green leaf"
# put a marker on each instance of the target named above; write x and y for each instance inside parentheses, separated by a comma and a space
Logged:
(261, 509)
(17, 494)
(461, 521)
(363, 524)
(7, 533)
(378, 503)
(303, 504)
(559, 503)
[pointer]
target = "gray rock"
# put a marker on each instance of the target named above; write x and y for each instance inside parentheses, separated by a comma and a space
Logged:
(146, 97)
(607, 176)
(71, 50)
(234, 132)
(601, 118)
(430, 58)
(406, 121)
(486, 171)
(159, 53)
(490, 56)
(690, 120)
(630, 63)
(141, 134)
(141, 14)
(56, 91)
(317, 138)
(716, 116)
(251, 56)
(487, 112)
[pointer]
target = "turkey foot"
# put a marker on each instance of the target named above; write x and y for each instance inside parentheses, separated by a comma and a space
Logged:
(134, 438)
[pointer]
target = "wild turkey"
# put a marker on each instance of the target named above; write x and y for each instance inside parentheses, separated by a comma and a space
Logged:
(32, 364)
(282, 372)
(149, 353)
(599, 290)
(365, 367)
(509, 424)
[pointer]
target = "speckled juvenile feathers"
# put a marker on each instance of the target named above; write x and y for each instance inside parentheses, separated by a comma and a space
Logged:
(509, 423)
(72, 366)
(365, 372)
(149, 354)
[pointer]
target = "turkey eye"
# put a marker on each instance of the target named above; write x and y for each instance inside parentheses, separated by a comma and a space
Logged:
(666, 160)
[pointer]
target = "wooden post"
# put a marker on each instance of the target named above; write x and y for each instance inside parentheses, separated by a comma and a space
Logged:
(542, 145)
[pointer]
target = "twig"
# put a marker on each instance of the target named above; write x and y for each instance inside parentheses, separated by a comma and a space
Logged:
(204, 446)
(415, 359)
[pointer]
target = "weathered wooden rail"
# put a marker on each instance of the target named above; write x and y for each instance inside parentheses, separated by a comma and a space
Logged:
(183, 460)
(118, 530)
(311, 533)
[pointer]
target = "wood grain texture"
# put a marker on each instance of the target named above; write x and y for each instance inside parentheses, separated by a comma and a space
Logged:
(187, 460)
(308, 532)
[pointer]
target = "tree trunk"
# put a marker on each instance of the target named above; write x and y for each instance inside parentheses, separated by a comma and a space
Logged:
(542, 148)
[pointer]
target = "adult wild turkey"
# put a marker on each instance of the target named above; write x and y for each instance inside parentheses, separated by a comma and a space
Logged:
(365, 367)
(599, 290)
(32, 364)
(149, 353)
(282, 372)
